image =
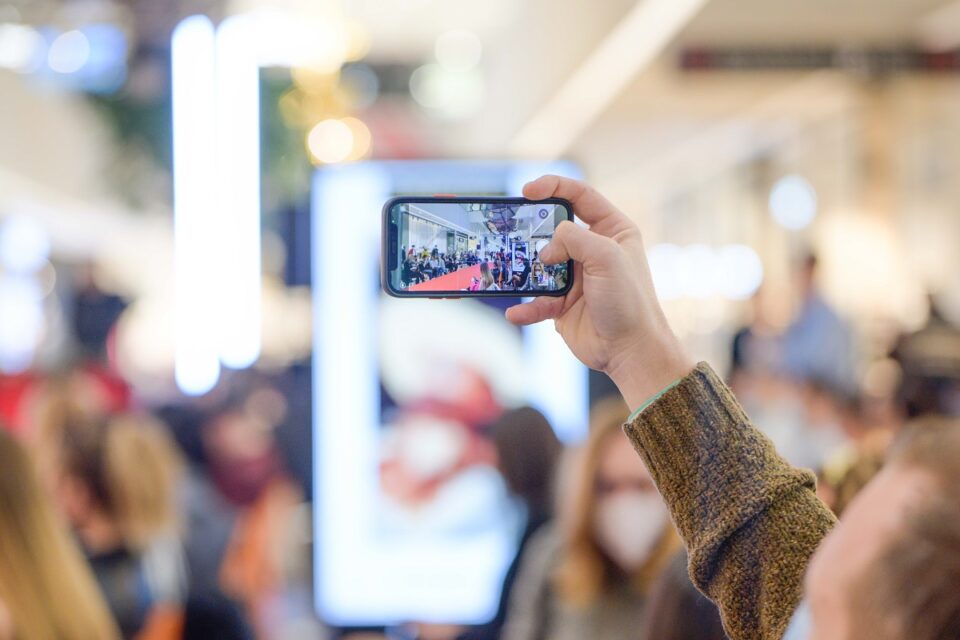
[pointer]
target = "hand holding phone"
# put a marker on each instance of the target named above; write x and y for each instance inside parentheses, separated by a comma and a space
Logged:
(611, 318)
(453, 247)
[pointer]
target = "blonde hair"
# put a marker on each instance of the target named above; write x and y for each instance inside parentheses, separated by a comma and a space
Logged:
(45, 584)
(485, 276)
(131, 468)
(584, 572)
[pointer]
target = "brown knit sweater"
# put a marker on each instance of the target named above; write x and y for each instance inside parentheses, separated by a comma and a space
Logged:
(749, 520)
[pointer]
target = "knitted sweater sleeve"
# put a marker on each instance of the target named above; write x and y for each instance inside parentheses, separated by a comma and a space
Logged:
(749, 520)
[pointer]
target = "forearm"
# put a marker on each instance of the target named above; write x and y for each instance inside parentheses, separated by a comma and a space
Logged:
(749, 520)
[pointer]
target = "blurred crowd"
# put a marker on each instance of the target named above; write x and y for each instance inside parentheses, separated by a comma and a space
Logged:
(184, 535)
(809, 390)
(180, 520)
(119, 520)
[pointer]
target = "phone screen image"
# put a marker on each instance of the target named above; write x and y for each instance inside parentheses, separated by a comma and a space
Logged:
(464, 247)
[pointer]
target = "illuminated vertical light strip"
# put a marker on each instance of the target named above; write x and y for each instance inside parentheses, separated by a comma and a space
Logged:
(238, 191)
(346, 203)
(193, 73)
(217, 176)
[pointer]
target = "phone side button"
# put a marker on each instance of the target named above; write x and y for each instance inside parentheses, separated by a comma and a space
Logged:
(444, 195)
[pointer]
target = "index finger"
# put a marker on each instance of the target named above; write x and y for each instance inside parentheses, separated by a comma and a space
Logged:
(588, 204)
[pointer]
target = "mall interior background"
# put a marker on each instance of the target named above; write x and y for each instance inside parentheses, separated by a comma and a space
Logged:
(742, 136)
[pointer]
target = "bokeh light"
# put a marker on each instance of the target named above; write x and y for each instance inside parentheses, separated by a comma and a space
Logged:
(449, 94)
(362, 83)
(700, 272)
(793, 202)
(24, 245)
(19, 47)
(697, 271)
(330, 141)
(69, 52)
(105, 69)
(741, 271)
(361, 138)
(663, 257)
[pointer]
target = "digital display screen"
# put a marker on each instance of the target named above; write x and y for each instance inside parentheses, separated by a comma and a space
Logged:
(474, 247)
(412, 521)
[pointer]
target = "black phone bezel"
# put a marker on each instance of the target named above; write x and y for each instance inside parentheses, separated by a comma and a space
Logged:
(386, 239)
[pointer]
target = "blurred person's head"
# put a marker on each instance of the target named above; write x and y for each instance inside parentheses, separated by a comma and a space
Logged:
(617, 528)
(930, 370)
(527, 453)
(676, 610)
(242, 453)
(118, 480)
(890, 570)
(46, 588)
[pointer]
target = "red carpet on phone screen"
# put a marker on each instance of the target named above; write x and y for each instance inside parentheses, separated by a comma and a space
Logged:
(456, 281)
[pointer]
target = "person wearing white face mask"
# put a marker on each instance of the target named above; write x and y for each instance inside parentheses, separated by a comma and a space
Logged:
(628, 522)
(588, 575)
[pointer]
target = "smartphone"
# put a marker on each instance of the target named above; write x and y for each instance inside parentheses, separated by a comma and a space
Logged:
(457, 247)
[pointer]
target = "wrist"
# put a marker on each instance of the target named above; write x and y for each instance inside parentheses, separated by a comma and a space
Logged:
(647, 367)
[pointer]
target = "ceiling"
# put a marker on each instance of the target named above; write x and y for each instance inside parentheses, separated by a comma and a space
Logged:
(531, 48)
(671, 130)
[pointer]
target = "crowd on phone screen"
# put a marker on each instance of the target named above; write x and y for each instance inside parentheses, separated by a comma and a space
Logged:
(500, 270)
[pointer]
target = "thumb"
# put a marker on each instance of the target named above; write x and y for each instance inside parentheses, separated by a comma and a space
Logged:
(573, 242)
(535, 311)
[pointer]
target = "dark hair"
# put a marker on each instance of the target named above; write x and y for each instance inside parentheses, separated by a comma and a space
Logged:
(677, 611)
(528, 450)
(930, 364)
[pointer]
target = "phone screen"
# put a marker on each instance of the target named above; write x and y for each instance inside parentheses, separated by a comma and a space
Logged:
(457, 247)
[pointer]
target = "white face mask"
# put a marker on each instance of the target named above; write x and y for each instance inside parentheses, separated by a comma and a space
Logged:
(628, 524)
(800, 623)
